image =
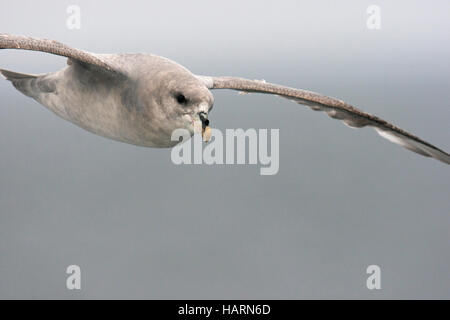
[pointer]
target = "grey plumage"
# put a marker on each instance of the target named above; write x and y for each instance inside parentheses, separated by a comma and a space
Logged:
(336, 109)
(141, 98)
(135, 104)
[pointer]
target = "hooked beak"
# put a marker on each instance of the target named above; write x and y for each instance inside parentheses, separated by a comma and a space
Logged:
(206, 130)
(204, 119)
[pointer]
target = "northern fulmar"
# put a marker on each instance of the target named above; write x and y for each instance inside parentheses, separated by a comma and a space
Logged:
(142, 98)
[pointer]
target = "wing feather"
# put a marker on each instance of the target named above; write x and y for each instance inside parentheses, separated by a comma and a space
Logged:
(8, 41)
(334, 108)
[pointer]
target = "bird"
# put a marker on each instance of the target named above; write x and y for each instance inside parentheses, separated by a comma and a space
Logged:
(141, 98)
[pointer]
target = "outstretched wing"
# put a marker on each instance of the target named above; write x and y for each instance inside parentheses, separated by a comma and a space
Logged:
(54, 47)
(334, 108)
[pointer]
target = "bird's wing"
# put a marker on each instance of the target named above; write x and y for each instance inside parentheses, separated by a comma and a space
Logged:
(334, 108)
(8, 41)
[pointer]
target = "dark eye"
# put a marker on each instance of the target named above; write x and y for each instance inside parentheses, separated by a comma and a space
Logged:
(181, 99)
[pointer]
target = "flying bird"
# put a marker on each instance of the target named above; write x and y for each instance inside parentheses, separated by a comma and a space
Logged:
(142, 98)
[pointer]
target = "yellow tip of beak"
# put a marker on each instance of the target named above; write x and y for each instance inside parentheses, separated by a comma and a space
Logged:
(206, 134)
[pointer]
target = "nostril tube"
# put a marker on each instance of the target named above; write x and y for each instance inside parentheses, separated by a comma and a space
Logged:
(204, 118)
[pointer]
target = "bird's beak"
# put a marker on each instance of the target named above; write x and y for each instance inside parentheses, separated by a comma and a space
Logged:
(206, 130)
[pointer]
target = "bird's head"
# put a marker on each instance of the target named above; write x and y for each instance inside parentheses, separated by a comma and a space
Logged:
(188, 103)
(174, 98)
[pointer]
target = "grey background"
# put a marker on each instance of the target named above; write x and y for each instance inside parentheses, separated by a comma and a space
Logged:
(141, 227)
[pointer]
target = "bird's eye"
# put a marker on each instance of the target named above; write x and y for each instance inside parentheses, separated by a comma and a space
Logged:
(181, 99)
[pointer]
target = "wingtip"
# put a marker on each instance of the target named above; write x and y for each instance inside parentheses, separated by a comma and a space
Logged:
(11, 75)
(422, 148)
